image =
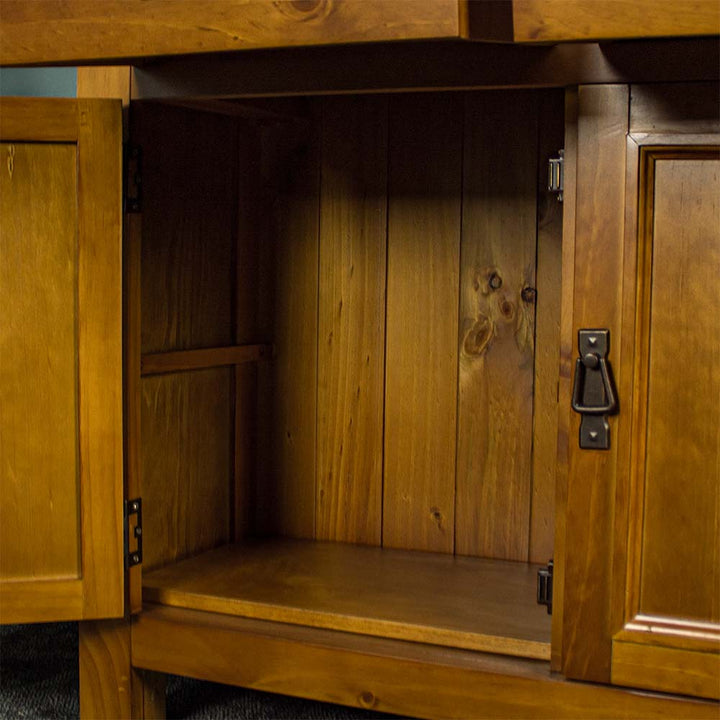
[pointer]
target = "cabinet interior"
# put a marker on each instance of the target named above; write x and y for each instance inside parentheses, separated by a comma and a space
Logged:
(368, 441)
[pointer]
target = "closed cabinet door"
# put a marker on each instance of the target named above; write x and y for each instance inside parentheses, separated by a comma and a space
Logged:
(61, 436)
(642, 569)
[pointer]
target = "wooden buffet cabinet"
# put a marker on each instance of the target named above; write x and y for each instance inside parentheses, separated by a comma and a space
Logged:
(330, 343)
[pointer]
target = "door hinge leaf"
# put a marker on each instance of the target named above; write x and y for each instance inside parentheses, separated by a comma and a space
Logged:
(133, 508)
(556, 174)
(545, 586)
(133, 179)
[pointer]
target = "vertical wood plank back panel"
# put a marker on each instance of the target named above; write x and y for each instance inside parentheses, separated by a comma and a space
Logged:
(547, 333)
(187, 458)
(189, 227)
(189, 231)
(286, 495)
(599, 214)
(425, 140)
(247, 326)
(497, 326)
(351, 332)
(39, 477)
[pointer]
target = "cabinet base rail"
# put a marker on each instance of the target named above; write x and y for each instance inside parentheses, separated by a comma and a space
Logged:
(392, 676)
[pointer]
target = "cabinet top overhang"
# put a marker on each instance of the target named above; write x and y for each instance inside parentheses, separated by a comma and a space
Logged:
(121, 31)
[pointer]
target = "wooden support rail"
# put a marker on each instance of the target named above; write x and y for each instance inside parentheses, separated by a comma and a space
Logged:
(181, 360)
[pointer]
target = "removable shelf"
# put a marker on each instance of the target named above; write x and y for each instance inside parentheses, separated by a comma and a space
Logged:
(461, 602)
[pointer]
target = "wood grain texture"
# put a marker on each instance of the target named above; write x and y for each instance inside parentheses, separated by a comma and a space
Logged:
(681, 577)
(24, 119)
(409, 679)
(189, 227)
(423, 66)
(109, 687)
(666, 669)
(248, 325)
(39, 400)
(187, 460)
(26, 601)
(547, 335)
(134, 29)
(182, 360)
(366, 590)
(288, 491)
(149, 695)
(132, 253)
(100, 355)
(599, 217)
(95, 301)
(559, 20)
(105, 82)
(567, 348)
(105, 673)
(425, 141)
(115, 82)
(663, 108)
(495, 402)
(351, 329)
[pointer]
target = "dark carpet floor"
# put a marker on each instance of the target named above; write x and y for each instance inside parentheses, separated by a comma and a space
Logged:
(39, 679)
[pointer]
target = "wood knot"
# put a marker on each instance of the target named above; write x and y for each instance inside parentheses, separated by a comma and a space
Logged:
(495, 281)
(306, 6)
(528, 294)
(507, 309)
(478, 336)
(437, 517)
(367, 699)
(304, 10)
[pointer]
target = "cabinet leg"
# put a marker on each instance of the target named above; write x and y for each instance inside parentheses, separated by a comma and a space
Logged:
(148, 689)
(109, 686)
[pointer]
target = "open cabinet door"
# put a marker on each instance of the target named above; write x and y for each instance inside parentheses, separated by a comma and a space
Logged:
(61, 433)
(642, 573)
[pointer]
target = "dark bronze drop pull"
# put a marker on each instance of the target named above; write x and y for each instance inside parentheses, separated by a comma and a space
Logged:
(594, 395)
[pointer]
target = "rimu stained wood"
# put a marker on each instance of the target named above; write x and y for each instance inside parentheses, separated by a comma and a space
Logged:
(425, 141)
(497, 333)
(187, 460)
(351, 330)
(146, 28)
(680, 571)
(559, 20)
(286, 492)
(39, 401)
(366, 590)
(548, 305)
(188, 226)
(383, 675)
(598, 272)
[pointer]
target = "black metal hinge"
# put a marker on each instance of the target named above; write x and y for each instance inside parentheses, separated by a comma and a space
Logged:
(545, 587)
(133, 557)
(133, 179)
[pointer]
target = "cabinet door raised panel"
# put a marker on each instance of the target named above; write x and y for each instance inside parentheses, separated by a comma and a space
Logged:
(61, 438)
(656, 498)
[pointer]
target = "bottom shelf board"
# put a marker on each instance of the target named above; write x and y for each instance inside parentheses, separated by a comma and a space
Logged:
(461, 602)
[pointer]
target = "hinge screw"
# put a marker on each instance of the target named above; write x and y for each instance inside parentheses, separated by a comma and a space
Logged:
(134, 506)
(138, 531)
(136, 558)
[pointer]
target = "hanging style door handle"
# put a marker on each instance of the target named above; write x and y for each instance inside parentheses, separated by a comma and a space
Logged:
(594, 395)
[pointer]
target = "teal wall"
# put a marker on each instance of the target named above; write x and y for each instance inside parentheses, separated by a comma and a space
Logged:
(43, 82)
